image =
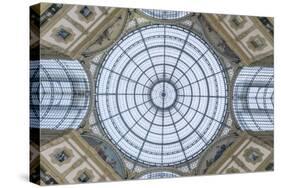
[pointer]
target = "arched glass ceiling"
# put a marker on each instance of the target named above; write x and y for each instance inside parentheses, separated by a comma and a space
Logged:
(253, 99)
(165, 14)
(60, 94)
(158, 175)
(161, 95)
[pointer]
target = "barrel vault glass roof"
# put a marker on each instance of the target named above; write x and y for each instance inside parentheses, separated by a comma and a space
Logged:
(165, 14)
(161, 95)
(159, 174)
(60, 94)
(253, 99)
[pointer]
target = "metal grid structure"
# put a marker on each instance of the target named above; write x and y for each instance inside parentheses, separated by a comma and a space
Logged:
(253, 99)
(165, 14)
(158, 175)
(161, 95)
(60, 94)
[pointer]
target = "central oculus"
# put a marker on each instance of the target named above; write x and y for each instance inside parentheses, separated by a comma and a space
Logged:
(163, 95)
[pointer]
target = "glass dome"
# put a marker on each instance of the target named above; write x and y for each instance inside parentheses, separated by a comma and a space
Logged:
(165, 14)
(161, 95)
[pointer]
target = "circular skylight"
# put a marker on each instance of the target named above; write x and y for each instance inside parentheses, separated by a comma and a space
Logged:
(165, 14)
(161, 95)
